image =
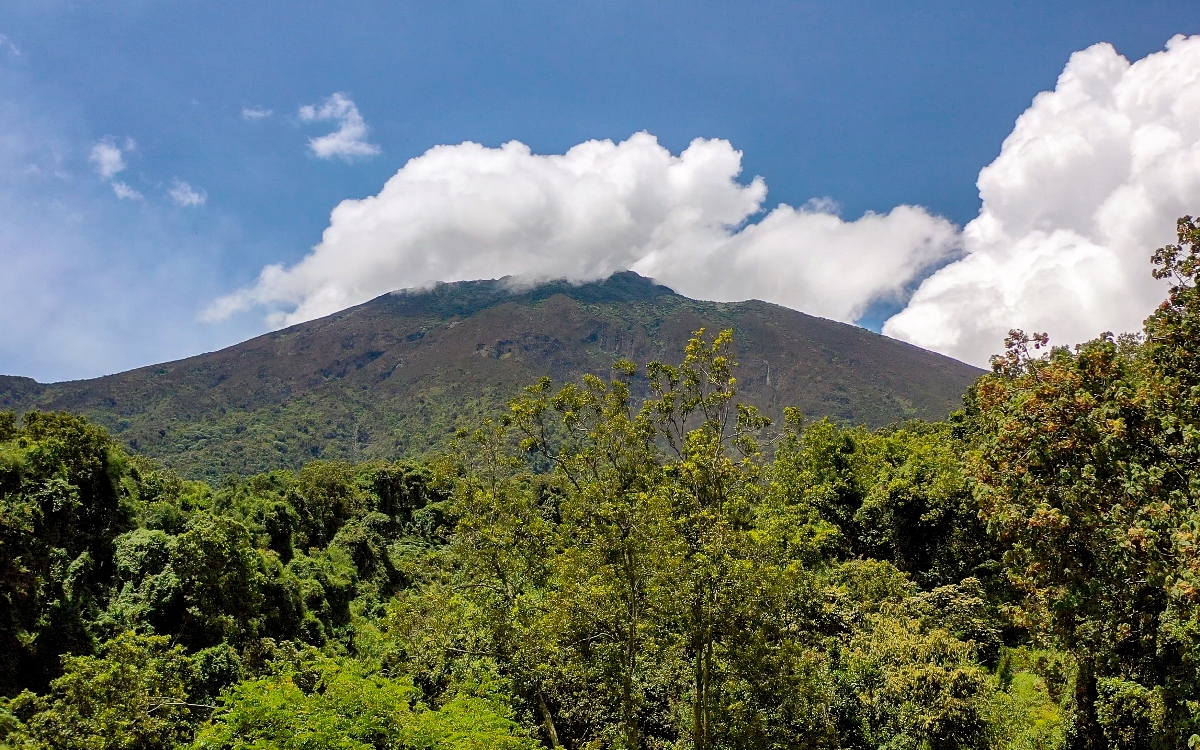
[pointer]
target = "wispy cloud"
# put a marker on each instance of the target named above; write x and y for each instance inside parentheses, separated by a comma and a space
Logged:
(349, 141)
(94, 284)
(124, 192)
(8, 48)
(254, 114)
(183, 194)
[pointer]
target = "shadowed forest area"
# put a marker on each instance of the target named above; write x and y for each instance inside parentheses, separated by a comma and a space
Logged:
(589, 573)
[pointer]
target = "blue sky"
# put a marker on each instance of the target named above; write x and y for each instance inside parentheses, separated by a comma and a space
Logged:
(872, 105)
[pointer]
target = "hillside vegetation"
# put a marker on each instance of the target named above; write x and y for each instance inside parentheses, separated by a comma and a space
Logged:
(397, 376)
(597, 570)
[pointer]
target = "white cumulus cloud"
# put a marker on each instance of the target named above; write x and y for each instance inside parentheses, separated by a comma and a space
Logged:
(107, 158)
(810, 259)
(254, 114)
(349, 141)
(1088, 184)
(470, 212)
(183, 194)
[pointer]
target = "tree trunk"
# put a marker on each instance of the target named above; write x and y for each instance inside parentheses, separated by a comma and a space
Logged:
(698, 678)
(1085, 732)
(708, 698)
(702, 646)
(551, 731)
(630, 711)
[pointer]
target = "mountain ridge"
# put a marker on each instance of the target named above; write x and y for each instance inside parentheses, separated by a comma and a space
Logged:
(398, 374)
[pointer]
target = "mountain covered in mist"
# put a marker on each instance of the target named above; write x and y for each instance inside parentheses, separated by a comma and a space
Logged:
(397, 375)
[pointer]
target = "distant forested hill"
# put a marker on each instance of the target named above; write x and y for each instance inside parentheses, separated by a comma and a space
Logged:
(397, 375)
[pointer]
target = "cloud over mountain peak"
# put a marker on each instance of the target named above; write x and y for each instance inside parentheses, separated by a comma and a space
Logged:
(468, 212)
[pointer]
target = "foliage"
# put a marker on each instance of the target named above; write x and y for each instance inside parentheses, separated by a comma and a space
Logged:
(60, 508)
(1028, 714)
(324, 703)
(602, 570)
(131, 696)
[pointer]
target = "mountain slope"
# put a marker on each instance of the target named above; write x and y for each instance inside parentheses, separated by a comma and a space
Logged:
(398, 374)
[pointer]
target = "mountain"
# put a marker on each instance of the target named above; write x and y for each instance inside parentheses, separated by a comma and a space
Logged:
(397, 375)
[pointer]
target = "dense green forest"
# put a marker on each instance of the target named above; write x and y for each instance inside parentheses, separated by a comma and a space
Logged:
(598, 571)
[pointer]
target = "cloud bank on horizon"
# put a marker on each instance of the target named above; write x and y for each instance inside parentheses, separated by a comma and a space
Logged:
(1089, 182)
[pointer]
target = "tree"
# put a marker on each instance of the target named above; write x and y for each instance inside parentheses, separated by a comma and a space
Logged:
(60, 508)
(1068, 475)
(1085, 468)
(614, 580)
(131, 696)
(715, 482)
(502, 555)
